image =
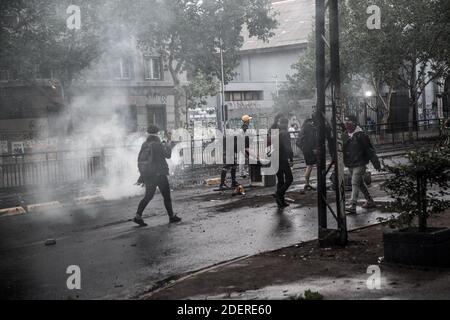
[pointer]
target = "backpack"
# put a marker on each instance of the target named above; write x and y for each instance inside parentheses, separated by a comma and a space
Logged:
(145, 159)
(308, 137)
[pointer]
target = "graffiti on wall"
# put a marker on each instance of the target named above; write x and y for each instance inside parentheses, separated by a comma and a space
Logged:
(236, 105)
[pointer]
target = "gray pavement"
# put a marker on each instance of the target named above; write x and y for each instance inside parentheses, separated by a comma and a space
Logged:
(118, 260)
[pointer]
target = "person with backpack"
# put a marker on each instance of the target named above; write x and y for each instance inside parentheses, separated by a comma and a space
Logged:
(286, 160)
(154, 170)
(358, 151)
(307, 142)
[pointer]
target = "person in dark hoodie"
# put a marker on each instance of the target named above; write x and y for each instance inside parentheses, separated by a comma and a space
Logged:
(286, 159)
(153, 168)
(276, 120)
(307, 142)
(358, 151)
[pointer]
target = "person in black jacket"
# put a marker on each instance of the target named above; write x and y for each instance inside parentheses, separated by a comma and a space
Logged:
(153, 168)
(358, 151)
(307, 142)
(276, 120)
(232, 166)
(286, 158)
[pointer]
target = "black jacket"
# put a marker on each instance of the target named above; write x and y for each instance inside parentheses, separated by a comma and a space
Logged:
(286, 153)
(358, 150)
(235, 145)
(307, 140)
(152, 157)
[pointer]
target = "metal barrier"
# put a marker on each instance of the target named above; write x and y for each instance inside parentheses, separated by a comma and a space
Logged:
(48, 168)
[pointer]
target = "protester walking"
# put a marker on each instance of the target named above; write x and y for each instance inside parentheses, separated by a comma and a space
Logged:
(358, 152)
(307, 142)
(284, 174)
(154, 170)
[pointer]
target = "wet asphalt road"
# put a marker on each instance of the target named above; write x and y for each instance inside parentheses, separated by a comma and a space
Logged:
(119, 260)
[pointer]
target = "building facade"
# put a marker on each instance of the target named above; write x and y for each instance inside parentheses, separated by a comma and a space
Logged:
(133, 87)
(264, 65)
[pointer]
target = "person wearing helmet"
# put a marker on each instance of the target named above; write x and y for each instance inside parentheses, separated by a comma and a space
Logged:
(246, 122)
(232, 166)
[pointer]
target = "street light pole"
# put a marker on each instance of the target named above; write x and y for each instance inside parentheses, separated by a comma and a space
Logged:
(222, 98)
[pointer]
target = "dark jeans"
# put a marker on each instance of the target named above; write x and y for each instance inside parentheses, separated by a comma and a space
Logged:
(150, 187)
(285, 179)
(225, 168)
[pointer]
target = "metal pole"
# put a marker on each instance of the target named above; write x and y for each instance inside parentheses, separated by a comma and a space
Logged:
(337, 121)
(320, 118)
(222, 102)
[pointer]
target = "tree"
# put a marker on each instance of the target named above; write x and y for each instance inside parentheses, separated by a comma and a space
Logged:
(410, 50)
(36, 39)
(197, 90)
(419, 187)
(301, 84)
(189, 34)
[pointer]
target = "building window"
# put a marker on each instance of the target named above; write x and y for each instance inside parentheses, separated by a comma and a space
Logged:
(152, 68)
(236, 96)
(128, 116)
(123, 69)
(156, 114)
(244, 96)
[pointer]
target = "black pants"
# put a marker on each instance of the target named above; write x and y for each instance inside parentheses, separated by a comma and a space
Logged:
(285, 179)
(150, 187)
(225, 168)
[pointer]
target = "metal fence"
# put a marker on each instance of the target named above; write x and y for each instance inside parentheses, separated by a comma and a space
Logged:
(61, 167)
(49, 168)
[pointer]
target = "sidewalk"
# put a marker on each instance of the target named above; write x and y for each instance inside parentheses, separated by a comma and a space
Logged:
(335, 273)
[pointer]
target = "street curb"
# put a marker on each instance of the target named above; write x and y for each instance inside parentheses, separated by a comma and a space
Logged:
(88, 199)
(8, 212)
(39, 207)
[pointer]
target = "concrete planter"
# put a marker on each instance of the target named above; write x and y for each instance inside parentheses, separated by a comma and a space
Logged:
(410, 247)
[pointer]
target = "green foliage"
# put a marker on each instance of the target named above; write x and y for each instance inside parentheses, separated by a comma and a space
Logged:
(36, 34)
(311, 295)
(190, 33)
(308, 295)
(413, 34)
(419, 186)
(199, 88)
(302, 83)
